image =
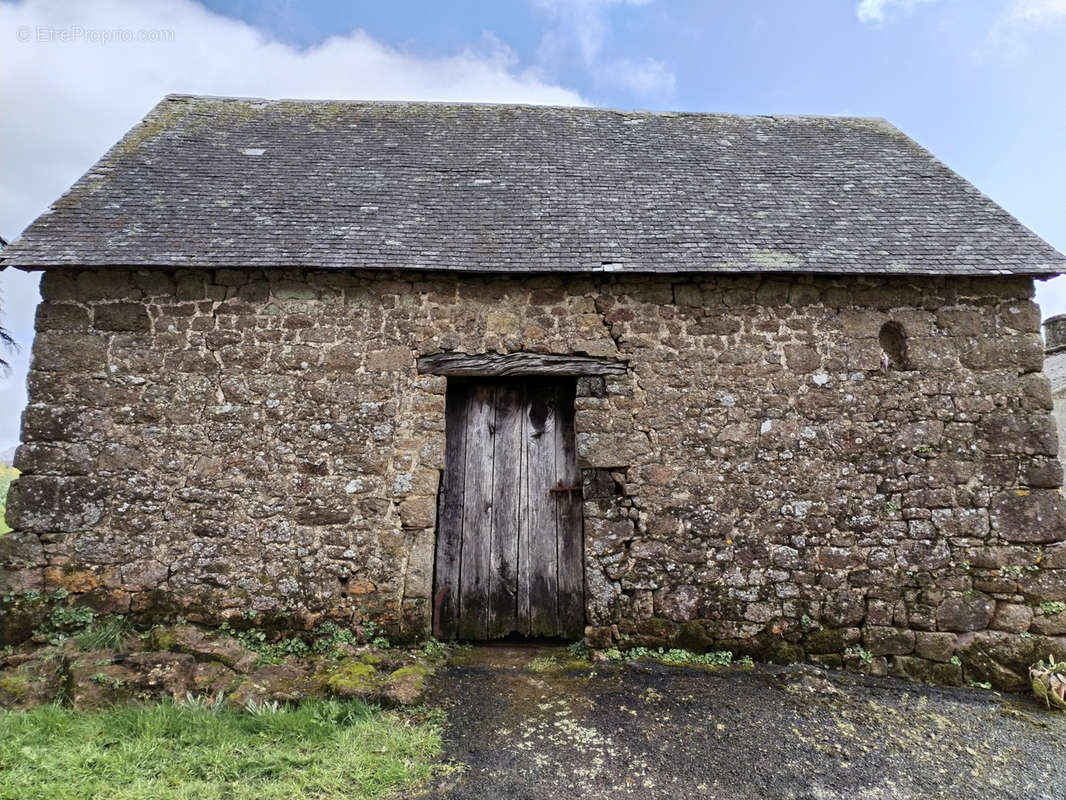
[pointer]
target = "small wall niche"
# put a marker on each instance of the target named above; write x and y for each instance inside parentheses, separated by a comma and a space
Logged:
(893, 347)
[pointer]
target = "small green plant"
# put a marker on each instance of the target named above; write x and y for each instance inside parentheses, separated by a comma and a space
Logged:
(269, 652)
(380, 642)
(891, 507)
(956, 661)
(542, 664)
(204, 702)
(980, 685)
(579, 650)
(293, 646)
(861, 652)
(262, 707)
(252, 638)
(329, 637)
(806, 622)
(104, 679)
(64, 622)
(1053, 607)
(105, 633)
(434, 648)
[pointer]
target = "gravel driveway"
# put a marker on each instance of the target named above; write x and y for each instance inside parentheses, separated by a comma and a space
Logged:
(526, 728)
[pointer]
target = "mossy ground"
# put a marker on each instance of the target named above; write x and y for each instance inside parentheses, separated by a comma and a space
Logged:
(353, 678)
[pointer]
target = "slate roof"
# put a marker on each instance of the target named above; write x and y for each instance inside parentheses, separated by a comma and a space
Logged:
(224, 182)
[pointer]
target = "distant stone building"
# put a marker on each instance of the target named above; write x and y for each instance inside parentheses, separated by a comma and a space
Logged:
(768, 384)
(1055, 369)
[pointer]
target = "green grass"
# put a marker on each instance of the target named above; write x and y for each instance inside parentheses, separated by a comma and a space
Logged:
(7, 474)
(322, 749)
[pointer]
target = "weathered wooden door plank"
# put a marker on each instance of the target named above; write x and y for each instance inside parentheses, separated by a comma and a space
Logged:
(477, 512)
(450, 516)
(524, 521)
(571, 549)
(541, 478)
(507, 499)
(519, 364)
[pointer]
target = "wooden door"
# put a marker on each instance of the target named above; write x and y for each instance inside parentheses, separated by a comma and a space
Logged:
(509, 532)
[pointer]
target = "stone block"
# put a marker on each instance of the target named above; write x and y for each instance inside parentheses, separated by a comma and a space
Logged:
(68, 352)
(968, 612)
(935, 646)
(46, 503)
(1055, 557)
(1043, 473)
(1044, 585)
(919, 669)
(105, 284)
(419, 579)
(884, 641)
(1050, 624)
(1012, 617)
(844, 610)
(392, 359)
(121, 317)
(830, 640)
(61, 317)
(140, 576)
(611, 449)
(1021, 353)
(1037, 515)
(1018, 434)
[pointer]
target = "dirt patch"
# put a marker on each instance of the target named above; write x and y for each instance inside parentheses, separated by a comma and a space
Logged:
(644, 729)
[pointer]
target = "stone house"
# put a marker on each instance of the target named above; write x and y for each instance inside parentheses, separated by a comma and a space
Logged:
(767, 384)
(1055, 369)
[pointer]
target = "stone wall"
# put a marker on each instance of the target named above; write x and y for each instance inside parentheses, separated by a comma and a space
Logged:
(218, 443)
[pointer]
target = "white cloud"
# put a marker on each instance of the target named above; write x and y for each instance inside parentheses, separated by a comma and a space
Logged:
(583, 26)
(647, 76)
(1018, 27)
(874, 11)
(1037, 12)
(66, 102)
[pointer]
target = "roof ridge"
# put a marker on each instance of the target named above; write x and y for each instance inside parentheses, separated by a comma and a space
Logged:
(266, 101)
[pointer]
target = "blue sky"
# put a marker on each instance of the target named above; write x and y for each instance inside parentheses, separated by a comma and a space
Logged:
(980, 83)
